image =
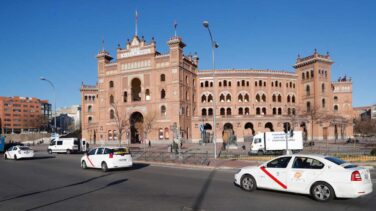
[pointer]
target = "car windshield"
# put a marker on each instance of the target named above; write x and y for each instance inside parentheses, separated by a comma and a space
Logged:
(340, 162)
(76, 142)
(24, 148)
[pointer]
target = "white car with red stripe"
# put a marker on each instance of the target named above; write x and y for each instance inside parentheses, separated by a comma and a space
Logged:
(322, 177)
(18, 152)
(107, 158)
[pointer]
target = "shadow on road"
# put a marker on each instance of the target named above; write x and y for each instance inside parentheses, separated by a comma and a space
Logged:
(40, 157)
(200, 198)
(117, 182)
(53, 189)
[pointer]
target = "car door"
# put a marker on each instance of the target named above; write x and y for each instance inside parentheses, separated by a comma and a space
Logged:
(303, 173)
(59, 146)
(11, 152)
(90, 157)
(274, 174)
(98, 157)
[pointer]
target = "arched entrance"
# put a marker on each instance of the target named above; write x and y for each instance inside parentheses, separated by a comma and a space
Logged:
(228, 130)
(270, 126)
(136, 89)
(136, 124)
(249, 131)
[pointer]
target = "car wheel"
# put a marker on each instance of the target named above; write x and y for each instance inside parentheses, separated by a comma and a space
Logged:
(322, 191)
(83, 165)
(68, 151)
(260, 152)
(5, 157)
(104, 167)
(248, 183)
(15, 157)
(49, 151)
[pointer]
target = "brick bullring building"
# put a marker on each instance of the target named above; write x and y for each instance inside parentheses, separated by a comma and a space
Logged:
(143, 82)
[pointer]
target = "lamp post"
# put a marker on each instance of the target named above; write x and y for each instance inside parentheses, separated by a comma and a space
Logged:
(214, 45)
(53, 88)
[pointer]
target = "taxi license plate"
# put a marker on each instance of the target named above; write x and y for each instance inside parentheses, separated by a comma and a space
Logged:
(122, 159)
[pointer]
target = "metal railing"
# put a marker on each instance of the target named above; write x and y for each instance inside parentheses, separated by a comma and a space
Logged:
(171, 157)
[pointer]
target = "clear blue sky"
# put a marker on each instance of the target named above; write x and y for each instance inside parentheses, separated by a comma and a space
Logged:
(59, 39)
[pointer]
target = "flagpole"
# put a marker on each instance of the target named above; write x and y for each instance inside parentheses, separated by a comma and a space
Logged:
(136, 13)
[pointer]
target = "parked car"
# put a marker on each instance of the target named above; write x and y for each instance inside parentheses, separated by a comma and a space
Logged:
(18, 152)
(351, 141)
(107, 158)
(322, 177)
(67, 145)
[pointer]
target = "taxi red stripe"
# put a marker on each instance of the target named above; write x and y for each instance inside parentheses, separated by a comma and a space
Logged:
(273, 178)
(89, 161)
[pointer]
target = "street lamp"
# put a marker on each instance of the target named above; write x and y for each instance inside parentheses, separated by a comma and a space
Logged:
(53, 87)
(214, 45)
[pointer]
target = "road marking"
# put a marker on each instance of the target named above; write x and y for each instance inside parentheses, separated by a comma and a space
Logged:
(273, 178)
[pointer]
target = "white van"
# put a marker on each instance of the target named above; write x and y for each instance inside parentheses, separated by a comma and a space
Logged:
(275, 143)
(67, 145)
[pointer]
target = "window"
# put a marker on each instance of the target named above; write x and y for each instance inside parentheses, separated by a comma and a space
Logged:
(147, 94)
(293, 99)
(202, 84)
(308, 106)
(111, 84)
(222, 111)
(323, 87)
(335, 98)
(91, 152)
(203, 112)
(206, 83)
(308, 90)
(279, 111)
(125, 97)
(279, 162)
(307, 163)
(311, 73)
(257, 98)
(264, 111)
(210, 112)
(222, 98)
(228, 111)
(90, 119)
(163, 94)
(203, 99)
(279, 98)
(161, 135)
(112, 114)
(89, 108)
(258, 112)
(240, 111)
(210, 98)
(163, 110)
(59, 142)
(112, 99)
(211, 84)
(263, 98)
(288, 98)
(136, 90)
(274, 111)
(323, 103)
(240, 98)
(246, 98)
(99, 151)
(274, 98)
(335, 108)
(246, 111)
(243, 82)
(303, 76)
(220, 84)
(228, 98)
(163, 77)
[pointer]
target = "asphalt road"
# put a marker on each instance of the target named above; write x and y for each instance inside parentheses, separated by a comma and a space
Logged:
(58, 183)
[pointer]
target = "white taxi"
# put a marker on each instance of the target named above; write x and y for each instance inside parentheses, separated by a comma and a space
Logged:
(18, 152)
(322, 177)
(107, 158)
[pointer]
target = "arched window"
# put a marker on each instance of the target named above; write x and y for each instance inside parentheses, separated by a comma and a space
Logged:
(229, 83)
(206, 83)
(222, 98)
(335, 108)
(246, 98)
(258, 99)
(308, 106)
(293, 99)
(311, 73)
(293, 111)
(308, 90)
(125, 97)
(224, 83)
(255, 83)
(307, 75)
(260, 83)
(90, 119)
(272, 84)
(335, 98)
(238, 83)
(210, 98)
(228, 98)
(246, 111)
(264, 111)
(228, 112)
(89, 108)
(210, 112)
(163, 110)
(274, 98)
(258, 111)
(280, 84)
(112, 114)
(203, 112)
(263, 98)
(111, 84)
(289, 111)
(112, 100)
(203, 99)
(323, 87)
(211, 84)
(279, 111)
(274, 111)
(136, 90)
(288, 98)
(264, 83)
(147, 94)
(202, 84)
(323, 103)
(222, 111)
(186, 79)
(240, 111)
(163, 77)
(243, 82)
(290, 84)
(279, 98)
(163, 94)
(220, 84)
(240, 98)
(303, 76)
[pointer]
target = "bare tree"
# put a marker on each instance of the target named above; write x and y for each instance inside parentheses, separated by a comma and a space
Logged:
(365, 126)
(121, 120)
(339, 122)
(148, 124)
(315, 115)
